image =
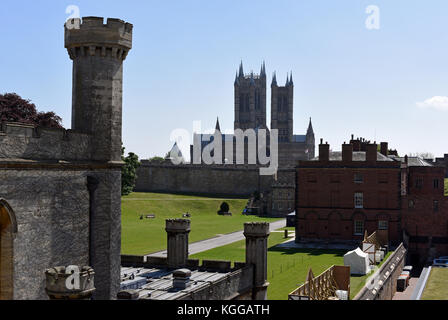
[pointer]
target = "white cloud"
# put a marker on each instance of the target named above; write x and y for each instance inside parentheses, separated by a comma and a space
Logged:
(436, 102)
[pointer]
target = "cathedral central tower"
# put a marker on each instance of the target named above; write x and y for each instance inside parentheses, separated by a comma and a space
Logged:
(250, 99)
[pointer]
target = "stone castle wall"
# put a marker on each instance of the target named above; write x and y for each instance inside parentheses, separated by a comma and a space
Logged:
(52, 213)
(21, 141)
(224, 180)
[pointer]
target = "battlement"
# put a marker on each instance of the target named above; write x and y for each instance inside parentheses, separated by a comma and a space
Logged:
(256, 229)
(90, 36)
(24, 141)
(178, 225)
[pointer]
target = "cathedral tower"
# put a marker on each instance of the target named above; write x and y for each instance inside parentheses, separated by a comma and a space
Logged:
(250, 99)
(282, 109)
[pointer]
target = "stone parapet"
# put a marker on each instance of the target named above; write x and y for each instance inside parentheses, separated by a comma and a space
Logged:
(90, 36)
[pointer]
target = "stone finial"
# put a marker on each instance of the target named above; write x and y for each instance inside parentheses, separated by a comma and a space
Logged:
(181, 278)
(70, 283)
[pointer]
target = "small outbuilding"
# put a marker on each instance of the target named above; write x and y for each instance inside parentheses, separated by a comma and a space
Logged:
(358, 261)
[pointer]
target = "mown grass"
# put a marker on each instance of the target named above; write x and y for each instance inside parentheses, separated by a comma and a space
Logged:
(437, 286)
(287, 268)
(143, 236)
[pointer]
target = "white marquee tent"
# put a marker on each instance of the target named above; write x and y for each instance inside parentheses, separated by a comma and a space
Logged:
(358, 261)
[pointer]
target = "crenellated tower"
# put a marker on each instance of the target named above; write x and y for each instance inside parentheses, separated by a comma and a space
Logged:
(250, 99)
(98, 51)
(282, 108)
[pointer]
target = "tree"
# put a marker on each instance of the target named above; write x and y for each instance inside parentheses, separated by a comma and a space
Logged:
(128, 172)
(15, 109)
(156, 159)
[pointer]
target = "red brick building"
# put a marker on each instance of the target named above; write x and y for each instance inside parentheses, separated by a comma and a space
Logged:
(342, 194)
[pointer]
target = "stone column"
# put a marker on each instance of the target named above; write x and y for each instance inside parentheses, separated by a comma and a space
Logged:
(257, 234)
(177, 233)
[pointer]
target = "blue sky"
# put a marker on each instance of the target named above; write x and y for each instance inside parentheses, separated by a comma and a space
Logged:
(379, 84)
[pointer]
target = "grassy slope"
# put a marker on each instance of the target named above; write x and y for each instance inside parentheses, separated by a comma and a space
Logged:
(148, 235)
(437, 285)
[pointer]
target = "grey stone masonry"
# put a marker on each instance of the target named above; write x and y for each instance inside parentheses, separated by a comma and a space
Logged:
(98, 51)
(257, 234)
(177, 233)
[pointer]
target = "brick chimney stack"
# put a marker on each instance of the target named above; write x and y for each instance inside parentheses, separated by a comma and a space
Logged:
(371, 153)
(324, 151)
(347, 152)
(384, 149)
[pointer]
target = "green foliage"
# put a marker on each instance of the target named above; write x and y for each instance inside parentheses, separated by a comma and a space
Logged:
(156, 159)
(128, 172)
(149, 235)
(15, 109)
(446, 187)
(224, 207)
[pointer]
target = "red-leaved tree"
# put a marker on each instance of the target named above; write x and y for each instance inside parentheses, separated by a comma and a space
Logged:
(15, 109)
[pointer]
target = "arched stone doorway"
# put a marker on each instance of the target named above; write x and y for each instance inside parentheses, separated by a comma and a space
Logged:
(8, 228)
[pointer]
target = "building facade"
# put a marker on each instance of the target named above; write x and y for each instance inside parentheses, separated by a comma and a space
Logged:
(340, 195)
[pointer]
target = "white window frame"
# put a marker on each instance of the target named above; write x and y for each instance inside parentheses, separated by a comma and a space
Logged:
(358, 178)
(359, 227)
(359, 200)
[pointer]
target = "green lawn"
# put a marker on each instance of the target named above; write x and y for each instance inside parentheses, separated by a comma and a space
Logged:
(148, 235)
(437, 286)
(287, 268)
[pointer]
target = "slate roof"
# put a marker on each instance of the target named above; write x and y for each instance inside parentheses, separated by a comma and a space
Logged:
(357, 156)
(157, 283)
(414, 161)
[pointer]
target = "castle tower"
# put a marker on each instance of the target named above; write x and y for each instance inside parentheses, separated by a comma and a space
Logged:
(98, 51)
(282, 109)
(250, 99)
